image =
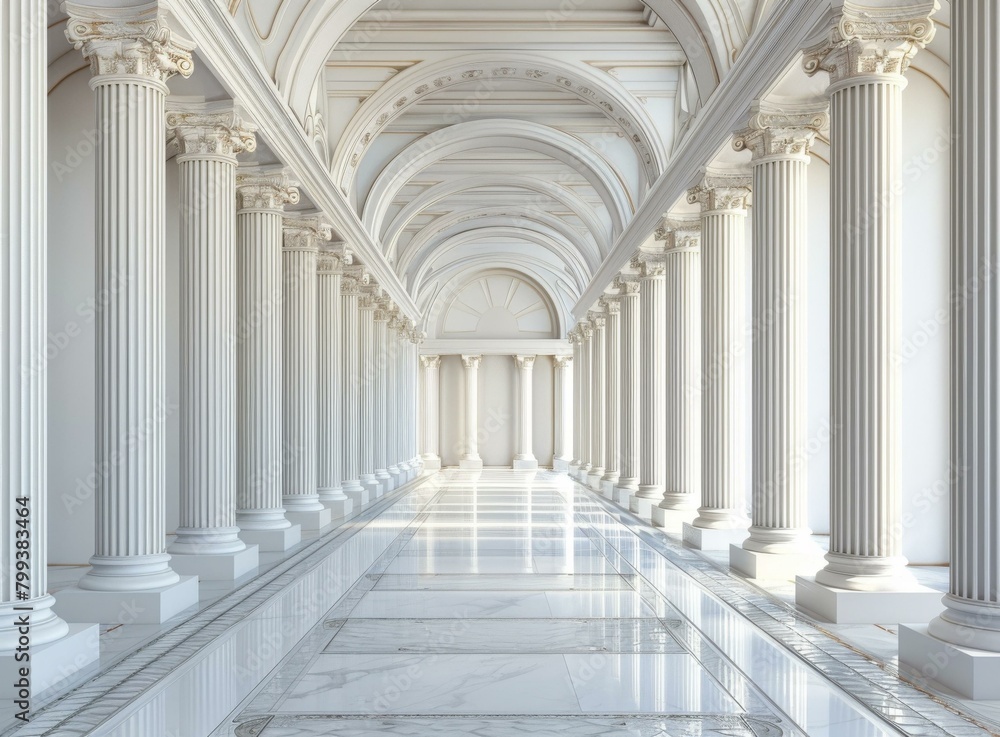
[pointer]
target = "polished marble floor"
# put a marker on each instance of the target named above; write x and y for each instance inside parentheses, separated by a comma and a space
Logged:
(498, 603)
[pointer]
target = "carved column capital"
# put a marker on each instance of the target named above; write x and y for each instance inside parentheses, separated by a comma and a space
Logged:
(128, 42)
(867, 41)
(563, 363)
(209, 129)
(680, 234)
(265, 189)
(781, 133)
(305, 233)
(471, 362)
(524, 362)
(722, 192)
(431, 362)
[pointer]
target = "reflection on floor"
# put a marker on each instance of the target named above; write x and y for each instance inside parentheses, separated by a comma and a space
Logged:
(500, 603)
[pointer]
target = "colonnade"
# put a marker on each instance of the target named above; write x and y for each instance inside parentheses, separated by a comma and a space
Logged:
(524, 457)
(664, 372)
(272, 313)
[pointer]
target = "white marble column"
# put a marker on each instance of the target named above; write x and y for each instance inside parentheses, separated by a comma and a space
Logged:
(525, 456)
(23, 312)
(779, 543)
(682, 254)
(367, 380)
(866, 245)
(208, 136)
(652, 393)
(612, 394)
(598, 392)
(722, 519)
(350, 371)
(431, 412)
(299, 383)
(416, 459)
(564, 412)
(470, 458)
(330, 383)
(260, 514)
(393, 369)
(629, 409)
(380, 376)
(402, 401)
(575, 339)
(971, 618)
(131, 562)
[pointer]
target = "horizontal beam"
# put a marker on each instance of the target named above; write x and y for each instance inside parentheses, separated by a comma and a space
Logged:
(525, 346)
(222, 46)
(762, 61)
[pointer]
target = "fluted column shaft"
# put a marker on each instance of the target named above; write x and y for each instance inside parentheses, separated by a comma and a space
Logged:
(391, 407)
(972, 614)
(261, 200)
(630, 409)
(586, 396)
(724, 330)
(130, 267)
(866, 174)
(367, 381)
(780, 246)
(598, 383)
(653, 359)
(24, 286)
(299, 370)
(612, 390)
(209, 139)
(431, 408)
(525, 411)
(471, 428)
(414, 425)
(683, 375)
(350, 372)
(330, 382)
(379, 368)
(564, 411)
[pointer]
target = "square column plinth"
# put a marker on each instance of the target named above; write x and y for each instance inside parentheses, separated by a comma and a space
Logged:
(471, 464)
(642, 506)
(273, 541)
(842, 606)
(225, 567)
(55, 664)
(359, 497)
(339, 509)
(621, 494)
(973, 674)
(525, 464)
(771, 567)
(312, 521)
(673, 520)
(702, 538)
(151, 606)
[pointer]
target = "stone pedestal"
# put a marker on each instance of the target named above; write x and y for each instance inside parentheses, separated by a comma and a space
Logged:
(772, 567)
(916, 604)
(710, 538)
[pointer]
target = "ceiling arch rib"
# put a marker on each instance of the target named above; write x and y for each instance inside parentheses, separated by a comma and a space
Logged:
(498, 303)
(545, 232)
(307, 38)
(424, 80)
(439, 192)
(479, 134)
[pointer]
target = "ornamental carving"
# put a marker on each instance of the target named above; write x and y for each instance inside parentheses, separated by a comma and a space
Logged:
(431, 363)
(329, 263)
(305, 233)
(612, 305)
(722, 192)
(872, 41)
(265, 191)
(680, 234)
(524, 362)
(210, 133)
(349, 286)
(122, 42)
(563, 362)
(627, 285)
(471, 362)
(781, 134)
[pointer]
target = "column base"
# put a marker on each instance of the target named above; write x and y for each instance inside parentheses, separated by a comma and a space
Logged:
(581, 473)
(642, 506)
(397, 476)
(608, 489)
(339, 508)
(573, 469)
(219, 567)
(593, 478)
(560, 465)
(370, 484)
(673, 520)
(310, 521)
(471, 464)
(432, 463)
(148, 606)
(273, 541)
(525, 464)
(772, 566)
(56, 664)
(972, 674)
(703, 538)
(358, 497)
(841, 606)
(384, 481)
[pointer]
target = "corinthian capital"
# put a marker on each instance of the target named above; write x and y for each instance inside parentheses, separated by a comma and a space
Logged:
(679, 234)
(866, 39)
(305, 233)
(132, 42)
(265, 189)
(209, 129)
(787, 131)
(722, 192)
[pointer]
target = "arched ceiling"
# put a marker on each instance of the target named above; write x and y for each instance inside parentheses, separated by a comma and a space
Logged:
(514, 134)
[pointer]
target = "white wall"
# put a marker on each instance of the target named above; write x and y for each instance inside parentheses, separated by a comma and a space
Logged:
(73, 306)
(543, 410)
(497, 410)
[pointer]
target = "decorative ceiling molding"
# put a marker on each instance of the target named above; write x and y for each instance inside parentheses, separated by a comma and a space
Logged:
(499, 133)
(424, 80)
